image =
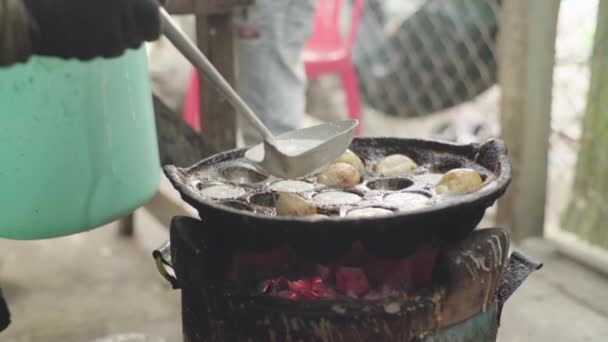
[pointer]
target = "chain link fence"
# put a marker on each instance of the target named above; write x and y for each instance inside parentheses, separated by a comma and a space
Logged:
(421, 56)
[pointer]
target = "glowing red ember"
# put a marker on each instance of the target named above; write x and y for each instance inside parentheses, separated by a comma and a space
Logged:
(308, 289)
(351, 281)
(391, 277)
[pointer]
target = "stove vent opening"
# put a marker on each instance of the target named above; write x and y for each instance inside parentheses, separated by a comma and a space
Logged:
(357, 274)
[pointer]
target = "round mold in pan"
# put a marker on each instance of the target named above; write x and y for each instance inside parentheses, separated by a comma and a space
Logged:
(242, 174)
(295, 186)
(263, 199)
(236, 204)
(221, 192)
(408, 200)
(370, 211)
(389, 184)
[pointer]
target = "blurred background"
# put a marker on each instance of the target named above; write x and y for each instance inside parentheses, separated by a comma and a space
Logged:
(462, 71)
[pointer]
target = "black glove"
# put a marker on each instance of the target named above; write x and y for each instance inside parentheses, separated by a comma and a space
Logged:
(5, 315)
(85, 29)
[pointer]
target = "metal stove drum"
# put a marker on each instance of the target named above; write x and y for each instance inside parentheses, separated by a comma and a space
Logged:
(389, 259)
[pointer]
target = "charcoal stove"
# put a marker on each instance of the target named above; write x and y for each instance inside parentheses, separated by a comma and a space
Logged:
(421, 273)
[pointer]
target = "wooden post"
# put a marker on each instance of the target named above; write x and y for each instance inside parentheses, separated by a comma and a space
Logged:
(215, 38)
(526, 50)
(586, 213)
(126, 226)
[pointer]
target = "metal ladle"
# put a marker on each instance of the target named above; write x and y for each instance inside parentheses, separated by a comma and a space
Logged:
(291, 155)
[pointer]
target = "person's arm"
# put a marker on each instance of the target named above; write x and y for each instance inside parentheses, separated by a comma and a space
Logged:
(15, 36)
(81, 29)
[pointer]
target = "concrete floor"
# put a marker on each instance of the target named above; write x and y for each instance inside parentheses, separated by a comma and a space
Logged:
(87, 286)
(564, 301)
(84, 287)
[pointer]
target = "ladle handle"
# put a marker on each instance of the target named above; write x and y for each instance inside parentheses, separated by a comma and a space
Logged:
(198, 59)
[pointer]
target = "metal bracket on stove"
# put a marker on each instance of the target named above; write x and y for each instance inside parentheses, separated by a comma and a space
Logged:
(162, 257)
(518, 268)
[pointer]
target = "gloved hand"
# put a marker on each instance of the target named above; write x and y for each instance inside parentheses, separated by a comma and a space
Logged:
(5, 315)
(85, 29)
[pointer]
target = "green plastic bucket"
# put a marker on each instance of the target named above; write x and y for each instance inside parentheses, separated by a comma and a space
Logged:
(78, 144)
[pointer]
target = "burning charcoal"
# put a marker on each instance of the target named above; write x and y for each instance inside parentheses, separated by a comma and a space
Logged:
(300, 285)
(289, 204)
(394, 165)
(274, 285)
(328, 294)
(352, 281)
(459, 181)
(307, 289)
(288, 295)
(302, 289)
(340, 175)
(349, 157)
(321, 290)
(267, 286)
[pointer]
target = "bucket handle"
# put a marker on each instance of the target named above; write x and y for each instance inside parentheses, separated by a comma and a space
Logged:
(162, 258)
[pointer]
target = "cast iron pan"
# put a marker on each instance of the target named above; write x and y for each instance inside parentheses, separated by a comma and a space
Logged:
(250, 225)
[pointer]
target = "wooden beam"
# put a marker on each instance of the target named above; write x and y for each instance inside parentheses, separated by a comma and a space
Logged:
(527, 55)
(180, 6)
(126, 226)
(219, 6)
(205, 6)
(215, 38)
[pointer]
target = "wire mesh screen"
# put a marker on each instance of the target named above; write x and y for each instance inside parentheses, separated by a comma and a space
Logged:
(417, 57)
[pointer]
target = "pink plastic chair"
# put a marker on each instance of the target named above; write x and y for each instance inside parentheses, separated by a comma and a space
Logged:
(327, 52)
(191, 109)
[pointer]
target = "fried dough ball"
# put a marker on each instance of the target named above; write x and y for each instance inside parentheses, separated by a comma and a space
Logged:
(459, 181)
(289, 204)
(340, 175)
(349, 157)
(394, 165)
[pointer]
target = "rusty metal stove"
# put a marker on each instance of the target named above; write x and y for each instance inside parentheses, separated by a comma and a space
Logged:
(246, 279)
(471, 281)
